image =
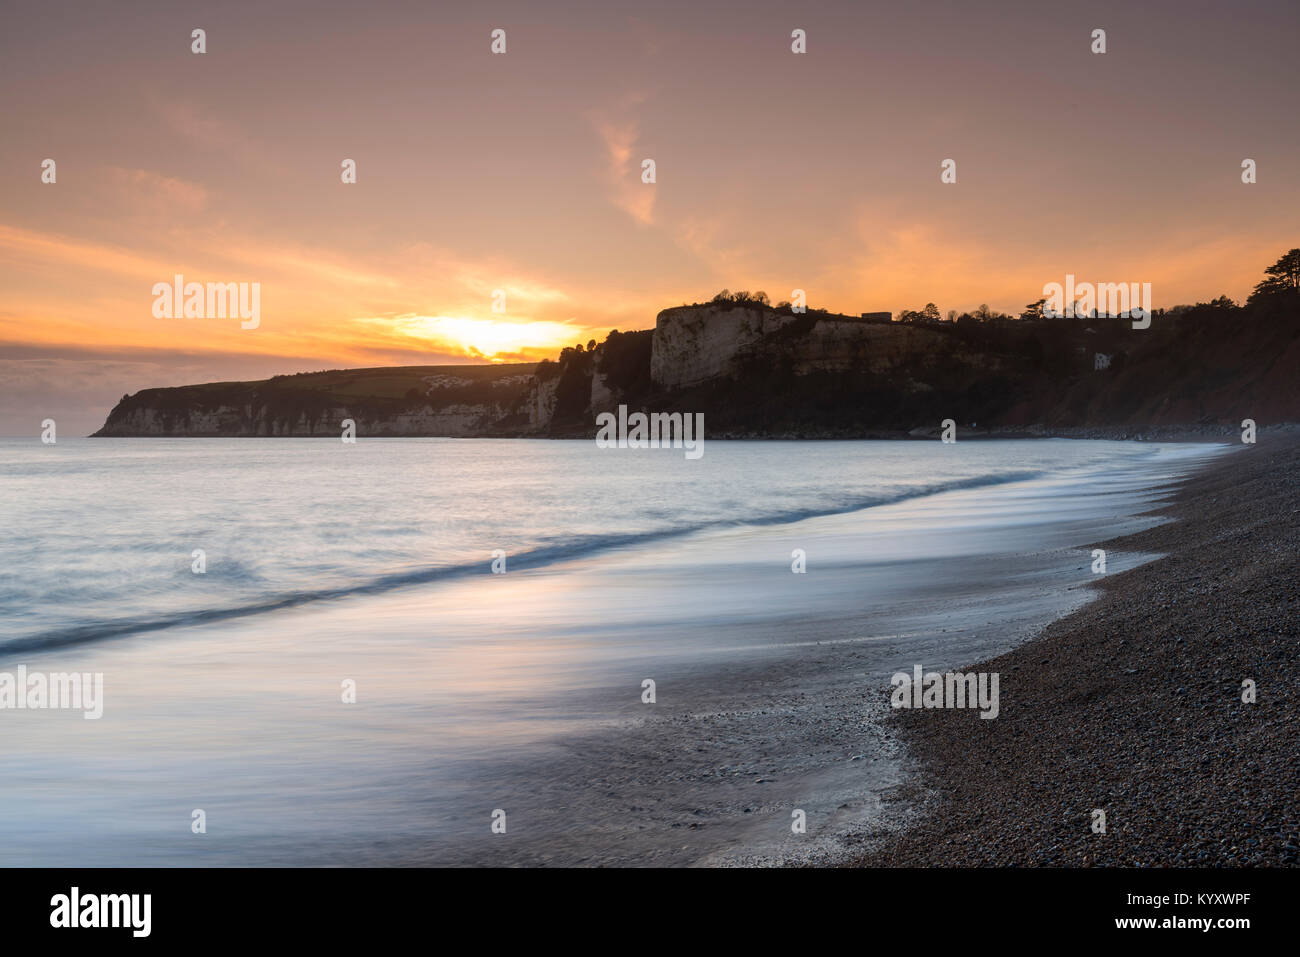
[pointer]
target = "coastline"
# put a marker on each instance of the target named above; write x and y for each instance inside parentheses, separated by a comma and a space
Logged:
(1117, 433)
(1133, 703)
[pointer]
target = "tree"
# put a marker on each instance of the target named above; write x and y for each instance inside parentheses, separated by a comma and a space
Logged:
(1283, 278)
(760, 297)
(929, 314)
(1034, 310)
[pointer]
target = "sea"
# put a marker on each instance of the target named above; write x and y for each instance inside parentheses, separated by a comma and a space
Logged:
(480, 652)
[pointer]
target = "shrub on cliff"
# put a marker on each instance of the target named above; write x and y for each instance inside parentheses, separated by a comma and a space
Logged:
(743, 298)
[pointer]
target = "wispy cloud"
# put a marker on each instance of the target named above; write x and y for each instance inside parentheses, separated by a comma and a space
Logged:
(620, 138)
(204, 130)
(144, 187)
(31, 247)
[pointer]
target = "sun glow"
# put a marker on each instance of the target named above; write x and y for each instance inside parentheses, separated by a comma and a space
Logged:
(495, 339)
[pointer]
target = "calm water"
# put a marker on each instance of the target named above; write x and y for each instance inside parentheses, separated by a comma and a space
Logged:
(371, 563)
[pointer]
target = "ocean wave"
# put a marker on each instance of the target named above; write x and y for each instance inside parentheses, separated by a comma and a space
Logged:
(539, 557)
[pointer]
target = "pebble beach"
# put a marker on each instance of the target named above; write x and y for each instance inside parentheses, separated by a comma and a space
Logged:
(1133, 705)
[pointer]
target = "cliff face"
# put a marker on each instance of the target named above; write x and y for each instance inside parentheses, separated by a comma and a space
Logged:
(539, 403)
(754, 370)
(460, 420)
(694, 344)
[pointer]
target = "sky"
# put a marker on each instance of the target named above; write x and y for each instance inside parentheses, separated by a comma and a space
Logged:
(521, 172)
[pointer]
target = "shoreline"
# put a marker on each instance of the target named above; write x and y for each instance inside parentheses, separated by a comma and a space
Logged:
(1205, 432)
(1133, 703)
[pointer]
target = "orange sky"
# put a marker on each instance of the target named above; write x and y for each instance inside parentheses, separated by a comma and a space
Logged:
(521, 172)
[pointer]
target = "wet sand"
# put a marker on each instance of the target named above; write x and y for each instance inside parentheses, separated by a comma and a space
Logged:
(1133, 704)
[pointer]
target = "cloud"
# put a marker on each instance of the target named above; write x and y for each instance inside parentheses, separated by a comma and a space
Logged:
(707, 238)
(417, 273)
(159, 193)
(903, 268)
(906, 267)
(35, 247)
(210, 134)
(623, 170)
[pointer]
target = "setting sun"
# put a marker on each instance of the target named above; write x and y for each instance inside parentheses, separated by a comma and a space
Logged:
(498, 340)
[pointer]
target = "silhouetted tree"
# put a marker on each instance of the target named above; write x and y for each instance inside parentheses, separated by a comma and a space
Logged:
(1034, 310)
(929, 314)
(1283, 278)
